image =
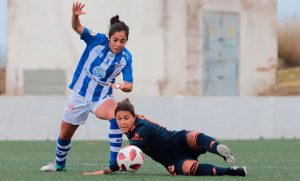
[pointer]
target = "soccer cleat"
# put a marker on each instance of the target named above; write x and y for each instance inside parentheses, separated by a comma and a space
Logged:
(239, 171)
(52, 167)
(225, 153)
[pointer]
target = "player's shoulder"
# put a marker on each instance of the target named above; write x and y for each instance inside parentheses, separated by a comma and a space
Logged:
(141, 120)
(126, 53)
(100, 38)
(144, 120)
(95, 33)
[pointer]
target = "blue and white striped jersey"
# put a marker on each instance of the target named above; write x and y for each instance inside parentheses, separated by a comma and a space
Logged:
(99, 66)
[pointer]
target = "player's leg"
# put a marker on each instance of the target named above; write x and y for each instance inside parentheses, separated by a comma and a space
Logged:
(193, 167)
(198, 140)
(106, 110)
(75, 114)
(63, 147)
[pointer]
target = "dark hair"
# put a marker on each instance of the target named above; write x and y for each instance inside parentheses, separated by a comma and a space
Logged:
(125, 105)
(117, 25)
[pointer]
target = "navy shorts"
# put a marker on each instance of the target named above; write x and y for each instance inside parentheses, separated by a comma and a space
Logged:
(185, 153)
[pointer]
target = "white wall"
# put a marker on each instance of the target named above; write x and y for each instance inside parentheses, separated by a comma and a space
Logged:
(259, 50)
(40, 37)
(38, 118)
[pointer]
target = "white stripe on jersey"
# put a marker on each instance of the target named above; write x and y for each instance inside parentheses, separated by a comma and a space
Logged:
(112, 76)
(103, 66)
(94, 53)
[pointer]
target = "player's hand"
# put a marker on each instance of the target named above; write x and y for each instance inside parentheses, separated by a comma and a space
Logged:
(117, 86)
(77, 8)
(98, 172)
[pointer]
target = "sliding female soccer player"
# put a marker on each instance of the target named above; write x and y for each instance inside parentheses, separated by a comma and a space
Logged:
(177, 151)
(103, 59)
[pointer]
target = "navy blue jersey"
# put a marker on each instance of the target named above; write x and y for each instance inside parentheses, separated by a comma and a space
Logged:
(162, 145)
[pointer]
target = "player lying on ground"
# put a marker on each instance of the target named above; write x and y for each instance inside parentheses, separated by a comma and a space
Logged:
(176, 150)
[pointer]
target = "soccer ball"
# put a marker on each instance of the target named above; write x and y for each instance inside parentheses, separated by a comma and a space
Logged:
(130, 158)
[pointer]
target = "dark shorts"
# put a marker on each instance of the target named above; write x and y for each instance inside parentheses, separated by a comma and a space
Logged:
(185, 153)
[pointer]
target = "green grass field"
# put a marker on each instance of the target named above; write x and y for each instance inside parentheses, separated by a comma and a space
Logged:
(265, 159)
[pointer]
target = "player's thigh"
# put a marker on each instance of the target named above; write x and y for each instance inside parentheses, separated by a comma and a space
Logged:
(186, 166)
(105, 109)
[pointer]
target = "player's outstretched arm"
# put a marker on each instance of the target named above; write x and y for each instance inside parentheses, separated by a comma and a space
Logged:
(99, 172)
(77, 11)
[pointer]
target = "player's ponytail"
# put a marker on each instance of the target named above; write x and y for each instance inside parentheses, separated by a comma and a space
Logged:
(125, 105)
(117, 25)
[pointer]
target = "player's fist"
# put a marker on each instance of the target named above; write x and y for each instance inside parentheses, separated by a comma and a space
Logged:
(116, 86)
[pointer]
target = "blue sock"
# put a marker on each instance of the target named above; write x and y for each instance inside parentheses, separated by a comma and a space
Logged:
(115, 139)
(62, 149)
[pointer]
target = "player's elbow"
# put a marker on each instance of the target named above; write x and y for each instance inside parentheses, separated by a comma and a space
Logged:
(78, 28)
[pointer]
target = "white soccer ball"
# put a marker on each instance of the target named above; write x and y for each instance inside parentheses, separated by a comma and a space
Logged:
(130, 158)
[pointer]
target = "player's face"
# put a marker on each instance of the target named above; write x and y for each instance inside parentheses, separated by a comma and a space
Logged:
(125, 120)
(117, 42)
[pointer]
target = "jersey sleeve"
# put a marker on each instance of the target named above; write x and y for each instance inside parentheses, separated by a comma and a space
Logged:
(127, 71)
(90, 36)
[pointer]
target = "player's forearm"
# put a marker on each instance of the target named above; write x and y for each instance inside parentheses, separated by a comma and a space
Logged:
(76, 25)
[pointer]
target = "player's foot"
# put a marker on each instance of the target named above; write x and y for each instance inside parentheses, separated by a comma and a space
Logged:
(239, 171)
(52, 167)
(225, 153)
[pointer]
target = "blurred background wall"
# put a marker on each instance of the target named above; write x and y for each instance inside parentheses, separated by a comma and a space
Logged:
(198, 64)
(189, 48)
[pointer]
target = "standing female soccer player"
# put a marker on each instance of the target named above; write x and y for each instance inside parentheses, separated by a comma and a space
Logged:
(176, 150)
(103, 59)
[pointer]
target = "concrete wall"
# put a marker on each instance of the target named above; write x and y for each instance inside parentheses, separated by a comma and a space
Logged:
(41, 37)
(38, 118)
(165, 40)
(258, 46)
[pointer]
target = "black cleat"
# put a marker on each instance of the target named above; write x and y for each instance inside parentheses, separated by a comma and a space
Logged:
(239, 171)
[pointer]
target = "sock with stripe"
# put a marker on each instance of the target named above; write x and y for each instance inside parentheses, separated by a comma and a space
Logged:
(208, 143)
(62, 149)
(115, 139)
(210, 170)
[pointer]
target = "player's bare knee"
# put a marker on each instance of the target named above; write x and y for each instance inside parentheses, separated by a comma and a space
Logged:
(192, 139)
(65, 136)
(189, 167)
